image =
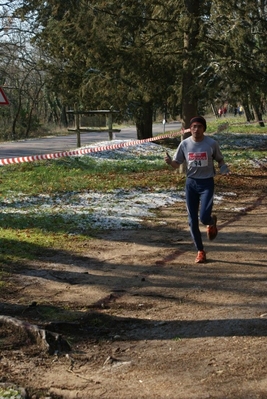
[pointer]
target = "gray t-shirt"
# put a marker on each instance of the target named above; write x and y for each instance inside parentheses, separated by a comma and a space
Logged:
(199, 157)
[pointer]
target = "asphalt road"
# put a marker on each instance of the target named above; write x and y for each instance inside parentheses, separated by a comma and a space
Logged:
(55, 144)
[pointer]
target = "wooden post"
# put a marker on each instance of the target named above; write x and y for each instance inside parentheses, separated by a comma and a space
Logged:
(77, 126)
(110, 133)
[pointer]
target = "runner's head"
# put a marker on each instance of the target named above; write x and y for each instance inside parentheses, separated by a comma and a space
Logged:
(199, 119)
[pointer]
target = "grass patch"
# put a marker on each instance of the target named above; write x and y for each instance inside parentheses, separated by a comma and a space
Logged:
(34, 224)
(71, 174)
(37, 218)
(237, 124)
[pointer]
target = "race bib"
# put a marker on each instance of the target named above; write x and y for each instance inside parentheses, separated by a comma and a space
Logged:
(197, 159)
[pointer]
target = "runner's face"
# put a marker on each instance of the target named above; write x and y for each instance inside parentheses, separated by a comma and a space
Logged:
(197, 131)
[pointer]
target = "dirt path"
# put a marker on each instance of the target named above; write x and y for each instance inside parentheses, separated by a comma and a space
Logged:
(143, 320)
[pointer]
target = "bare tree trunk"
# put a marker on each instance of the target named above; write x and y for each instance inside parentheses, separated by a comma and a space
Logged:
(214, 110)
(15, 120)
(34, 100)
(63, 116)
(248, 113)
(144, 121)
(258, 114)
(188, 95)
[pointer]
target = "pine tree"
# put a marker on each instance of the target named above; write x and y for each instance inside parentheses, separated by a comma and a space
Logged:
(153, 54)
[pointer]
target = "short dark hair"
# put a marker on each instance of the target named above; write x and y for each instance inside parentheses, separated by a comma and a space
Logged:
(199, 119)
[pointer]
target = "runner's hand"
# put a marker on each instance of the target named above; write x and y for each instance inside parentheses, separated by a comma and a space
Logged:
(224, 170)
(168, 158)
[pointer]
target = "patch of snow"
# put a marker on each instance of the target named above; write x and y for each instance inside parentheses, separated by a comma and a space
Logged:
(119, 209)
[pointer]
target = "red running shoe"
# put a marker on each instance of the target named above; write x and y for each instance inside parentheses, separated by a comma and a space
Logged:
(201, 257)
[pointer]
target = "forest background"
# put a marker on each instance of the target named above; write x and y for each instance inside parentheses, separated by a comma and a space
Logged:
(147, 59)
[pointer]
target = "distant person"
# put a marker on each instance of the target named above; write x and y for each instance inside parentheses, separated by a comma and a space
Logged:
(199, 152)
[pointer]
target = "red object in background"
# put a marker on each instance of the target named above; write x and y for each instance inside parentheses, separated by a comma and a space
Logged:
(3, 97)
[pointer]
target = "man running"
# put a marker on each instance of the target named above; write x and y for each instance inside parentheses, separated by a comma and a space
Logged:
(199, 152)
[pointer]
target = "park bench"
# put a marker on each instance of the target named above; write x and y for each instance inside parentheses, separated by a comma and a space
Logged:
(108, 116)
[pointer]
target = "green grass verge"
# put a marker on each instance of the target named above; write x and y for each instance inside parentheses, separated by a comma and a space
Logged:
(237, 124)
(30, 235)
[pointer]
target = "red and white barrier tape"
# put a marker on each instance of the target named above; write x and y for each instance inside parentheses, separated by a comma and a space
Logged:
(83, 151)
(32, 158)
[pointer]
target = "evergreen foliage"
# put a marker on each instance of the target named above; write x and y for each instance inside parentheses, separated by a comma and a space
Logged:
(146, 55)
